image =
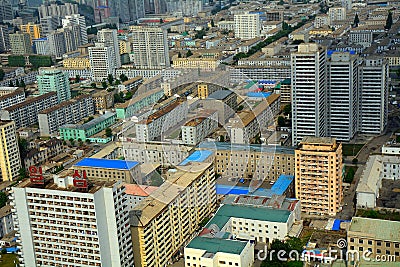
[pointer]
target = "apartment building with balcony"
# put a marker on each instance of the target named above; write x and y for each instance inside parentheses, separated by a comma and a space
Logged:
(319, 173)
(58, 224)
(13, 98)
(68, 112)
(110, 169)
(103, 100)
(140, 101)
(26, 113)
(380, 237)
(166, 220)
(10, 161)
(161, 121)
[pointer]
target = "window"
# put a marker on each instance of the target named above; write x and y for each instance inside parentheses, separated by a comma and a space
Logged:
(378, 243)
(369, 242)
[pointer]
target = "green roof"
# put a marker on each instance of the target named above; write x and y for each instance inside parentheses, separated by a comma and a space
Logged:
(286, 82)
(214, 245)
(227, 211)
(376, 228)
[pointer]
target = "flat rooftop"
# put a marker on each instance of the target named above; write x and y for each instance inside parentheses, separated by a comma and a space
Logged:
(376, 228)
(220, 95)
(139, 190)
(91, 123)
(197, 156)
(214, 245)
(221, 146)
(107, 164)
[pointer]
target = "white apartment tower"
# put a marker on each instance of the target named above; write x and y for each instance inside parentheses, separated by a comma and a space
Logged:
(337, 13)
(247, 26)
(59, 224)
(374, 86)
(309, 92)
(79, 20)
(102, 61)
(109, 38)
(343, 96)
(150, 47)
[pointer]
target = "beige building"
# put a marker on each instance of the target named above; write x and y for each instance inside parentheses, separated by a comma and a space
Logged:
(166, 220)
(380, 237)
(319, 171)
(81, 62)
(110, 169)
(10, 161)
(124, 47)
(205, 89)
(205, 64)
(20, 43)
(103, 100)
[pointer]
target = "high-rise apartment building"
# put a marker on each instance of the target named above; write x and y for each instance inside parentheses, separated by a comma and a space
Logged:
(6, 12)
(188, 196)
(127, 10)
(4, 39)
(10, 161)
(318, 172)
(336, 13)
(79, 20)
(57, 10)
(343, 95)
(32, 29)
(247, 26)
(72, 37)
(48, 24)
(57, 43)
(374, 86)
(110, 38)
(309, 92)
(20, 43)
(102, 61)
(150, 47)
(65, 223)
(54, 80)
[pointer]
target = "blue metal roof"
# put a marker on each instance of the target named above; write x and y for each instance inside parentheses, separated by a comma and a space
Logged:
(282, 184)
(197, 156)
(107, 163)
(259, 94)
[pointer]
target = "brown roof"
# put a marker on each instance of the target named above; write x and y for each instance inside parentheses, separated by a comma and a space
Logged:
(64, 104)
(30, 101)
(16, 92)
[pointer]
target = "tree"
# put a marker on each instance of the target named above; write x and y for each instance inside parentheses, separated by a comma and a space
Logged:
(118, 98)
(23, 173)
(123, 77)
(23, 147)
(104, 84)
(77, 79)
(355, 161)
(212, 23)
(2, 74)
(22, 84)
(356, 20)
(117, 82)
(189, 53)
(108, 132)
(93, 85)
(161, 21)
(281, 121)
(11, 84)
(3, 199)
(287, 109)
(179, 55)
(17, 83)
(389, 21)
(128, 95)
(110, 79)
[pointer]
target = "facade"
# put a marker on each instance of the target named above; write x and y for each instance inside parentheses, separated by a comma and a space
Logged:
(160, 121)
(102, 238)
(150, 47)
(41, 46)
(54, 80)
(197, 129)
(81, 62)
(286, 92)
(374, 96)
(131, 84)
(57, 10)
(102, 61)
(109, 169)
(26, 113)
(103, 100)
(140, 101)
(205, 64)
(252, 161)
(156, 235)
(309, 92)
(343, 96)
(4, 39)
(206, 89)
(32, 29)
(67, 112)
(11, 99)
(318, 172)
(213, 252)
(6, 11)
(20, 43)
(135, 193)
(6, 221)
(57, 43)
(367, 191)
(43, 152)
(273, 72)
(224, 101)
(109, 38)
(86, 130)
(337, 13)
(247, 26)
(48, 24)
(10, 161)
(380, 237)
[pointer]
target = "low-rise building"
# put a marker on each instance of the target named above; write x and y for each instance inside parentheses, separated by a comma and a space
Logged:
(140, 101)
(110, 169)
(206, 89)
(197, 129)
(135, 193)
(370, 182)
(86, 130)
(380, 237)
(103, 100)
(80, 62)
(26, 113)
(43, 152)
(69, 112)
(224, 101)
(131, 84)
(205, 64)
